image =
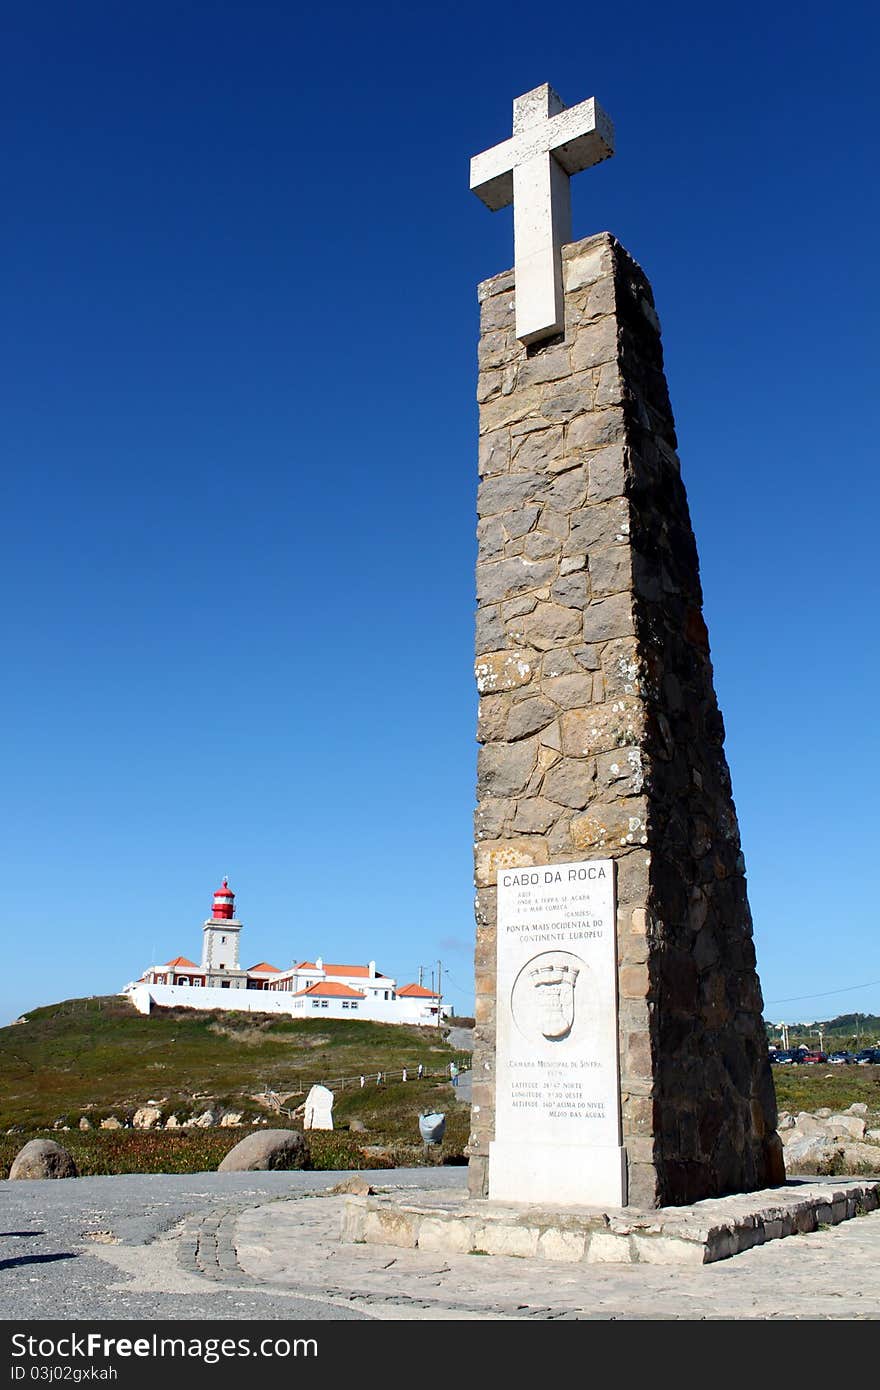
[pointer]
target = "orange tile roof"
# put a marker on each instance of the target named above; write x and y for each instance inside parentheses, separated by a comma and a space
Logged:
(182, 960)
(331, 989)
(415, 992)
(361, 972)
(263, 965)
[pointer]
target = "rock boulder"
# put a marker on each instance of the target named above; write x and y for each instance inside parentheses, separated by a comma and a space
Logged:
(204, 1121)
(42, 1158)
(148, 1117)
(861, 1157)
(269, 1150)
(355, 1186)
(807, 1151)
(809, 1124)
(319, 1109)
(846, 1126)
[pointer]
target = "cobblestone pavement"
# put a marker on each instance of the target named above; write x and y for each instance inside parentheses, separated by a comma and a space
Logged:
(265, 1246)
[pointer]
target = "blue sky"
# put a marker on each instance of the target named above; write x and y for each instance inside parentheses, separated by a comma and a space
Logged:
(238, 258)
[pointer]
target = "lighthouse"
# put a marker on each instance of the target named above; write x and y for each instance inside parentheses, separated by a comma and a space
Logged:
(220, 943)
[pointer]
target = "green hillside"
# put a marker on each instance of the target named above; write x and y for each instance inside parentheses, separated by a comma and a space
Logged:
(99, 1057)
(90, 1059)
(846, 1031)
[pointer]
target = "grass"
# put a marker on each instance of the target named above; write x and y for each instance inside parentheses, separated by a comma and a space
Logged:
(99, 1152)
(835, 1088)
(100, 1057)
(131, 1151)
(812, 1087)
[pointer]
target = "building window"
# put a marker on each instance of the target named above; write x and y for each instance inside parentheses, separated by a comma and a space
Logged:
(316, 1003)
(323, 1003)
(354, 1005)
(345, 1003)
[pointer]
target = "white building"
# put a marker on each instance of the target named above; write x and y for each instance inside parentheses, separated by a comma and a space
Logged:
(303, 990)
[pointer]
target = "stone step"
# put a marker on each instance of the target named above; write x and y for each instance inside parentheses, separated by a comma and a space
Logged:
(710, 1230)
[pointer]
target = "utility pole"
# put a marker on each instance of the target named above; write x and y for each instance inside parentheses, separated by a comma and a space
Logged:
(439, 993)
(421, 973)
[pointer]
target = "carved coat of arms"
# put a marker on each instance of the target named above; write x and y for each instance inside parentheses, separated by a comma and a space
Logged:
(553, 986)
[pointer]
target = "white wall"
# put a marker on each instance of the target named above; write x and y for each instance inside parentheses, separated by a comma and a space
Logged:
(267, 1001)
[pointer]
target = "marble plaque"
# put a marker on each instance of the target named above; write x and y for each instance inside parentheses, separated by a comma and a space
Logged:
(557, 1103)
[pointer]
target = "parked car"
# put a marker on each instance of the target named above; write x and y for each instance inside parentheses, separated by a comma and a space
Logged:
(838, 1057)
(868, 1055)
(814, 1057)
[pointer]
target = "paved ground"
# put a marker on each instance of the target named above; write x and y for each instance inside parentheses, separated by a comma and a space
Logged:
(460, 1039)
(265, 1246)
(462, 1092)
(109, 1247)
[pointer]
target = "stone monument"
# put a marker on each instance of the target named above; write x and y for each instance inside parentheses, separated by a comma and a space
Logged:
(620, 1051)
(319, 1108)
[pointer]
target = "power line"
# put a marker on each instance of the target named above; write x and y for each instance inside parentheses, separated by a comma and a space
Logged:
(455, 983)
(847, 989)
(790, 999)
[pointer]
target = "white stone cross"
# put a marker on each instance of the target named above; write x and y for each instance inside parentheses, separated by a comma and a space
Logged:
(550, 143)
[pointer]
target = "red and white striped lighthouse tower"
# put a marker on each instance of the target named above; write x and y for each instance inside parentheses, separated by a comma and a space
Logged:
(224, 902)
(220, 942)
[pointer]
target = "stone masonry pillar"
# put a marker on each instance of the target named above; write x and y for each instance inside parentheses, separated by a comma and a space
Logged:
(599, 731)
